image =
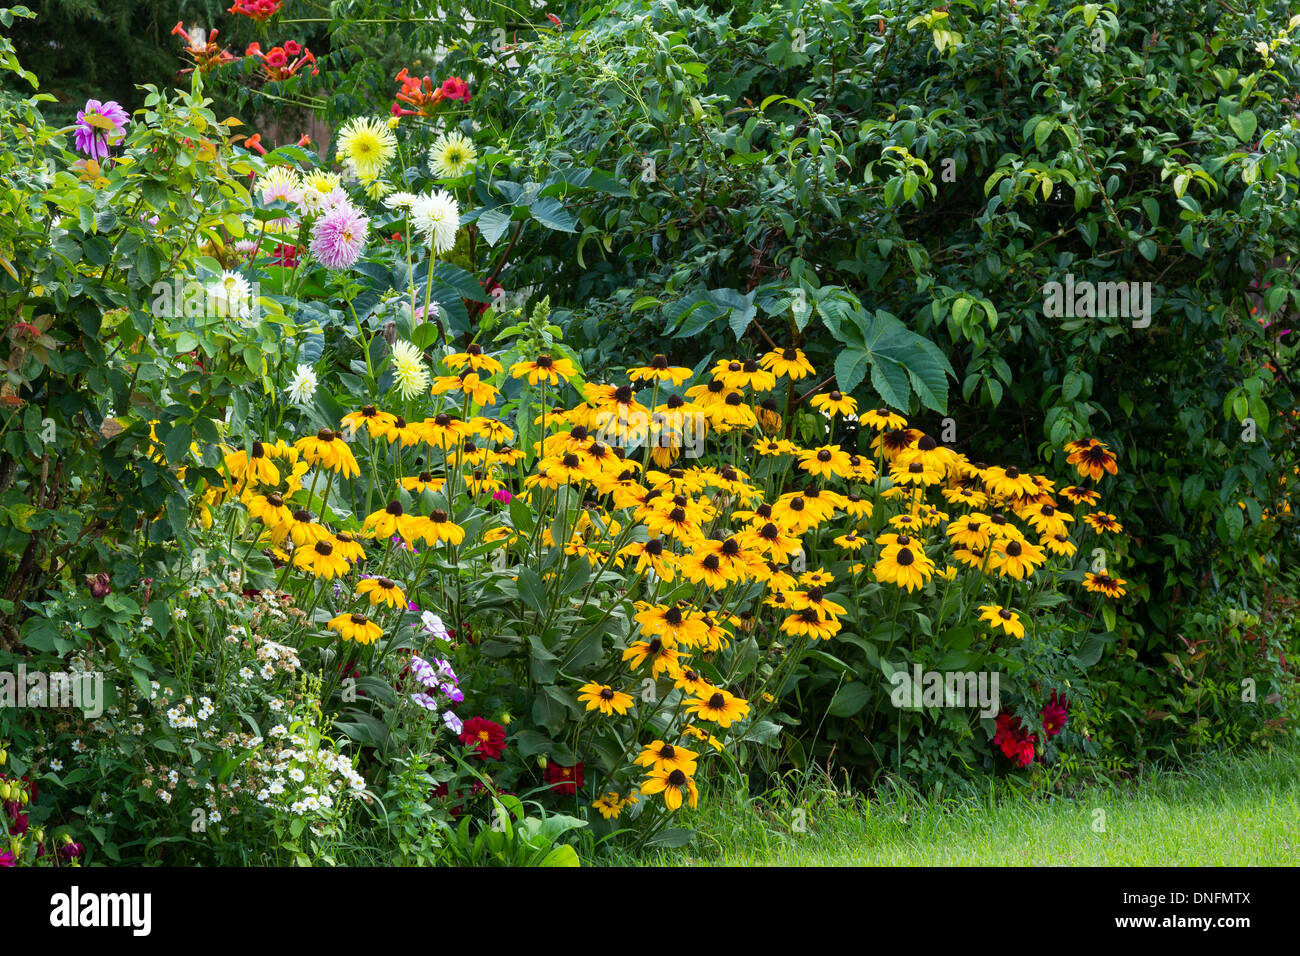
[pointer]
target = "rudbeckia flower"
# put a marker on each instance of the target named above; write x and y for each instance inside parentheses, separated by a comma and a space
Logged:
(721, 707)
(1016, 559)
(748, 374)
(356, 627)
(660, 371)
(834, 403)
(884, 419)
(321, 560)
(1101, 522)
(473, 358)
(604, 698)
(269, 509)
(791, 363)
(672, 624)
(825, 462)
(1102, 583)
(658, 755)
(1091, 458)
(997, 616)
(436, 527)
(389, 521)
(905, 566)
(381, 591)
(662, 658)
(252, 467)
(328, 450)
(1008, 482)
(374, 421)
(544, 368)
(1080, 496)
(810, 622)
(674, 785)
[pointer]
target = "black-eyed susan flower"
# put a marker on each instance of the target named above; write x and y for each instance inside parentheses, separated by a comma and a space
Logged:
(732, 413)
(388, 521)
(815, 597)
(371, 419)
(700, 734)
(659, 755)
(834, 403)
(720, 707)
(1046, 518)
(996, 616)
(545, 368)
(321, 560)
(659, 371)
(404, 434)
(473, 358)
(892, 442)
(1101, 522)
(1091, 458)
(436, 526)
(707, 569)
(422, 482)
(970, 531)
(884, 419)
(300, 529)
(1060, 544)
(327, 449)
(348, 546)
(671, 623)
(790, 363)
(381, 591)
(355, 627)
(858, 507)
(269, 509)
(1100, 582)
(651, 555)
(1015, 559)
(690, 681)
(825, 462)
(810, 622)
(1080, 496)
(252, 467)
(608, 805)
(917, 472)
(1008, 482)
(663, 659)
(443, 430)
(904, 566)
(851, 542)
(674, 785)
(605, 699)
(747, 374)
(768, 447)
(769, 417)
(772, 540)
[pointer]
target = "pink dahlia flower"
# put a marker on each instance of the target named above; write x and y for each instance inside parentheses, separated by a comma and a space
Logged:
(93, 140)
(339, 237)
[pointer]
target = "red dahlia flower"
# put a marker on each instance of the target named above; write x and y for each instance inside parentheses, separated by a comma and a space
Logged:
(1055, 713)
(1016, 742)
(564, 780)
(484, 736)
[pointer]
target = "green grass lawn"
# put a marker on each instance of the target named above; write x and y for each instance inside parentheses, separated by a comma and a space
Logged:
(1229, 811)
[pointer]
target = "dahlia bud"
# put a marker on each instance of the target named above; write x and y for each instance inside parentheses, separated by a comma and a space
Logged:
(5, 791)
(22, 796)
(506, 718)
(541, 762)
(101, 585)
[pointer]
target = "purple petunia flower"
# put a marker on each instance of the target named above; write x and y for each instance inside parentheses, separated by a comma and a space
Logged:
(453, 722)
(94, 140)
